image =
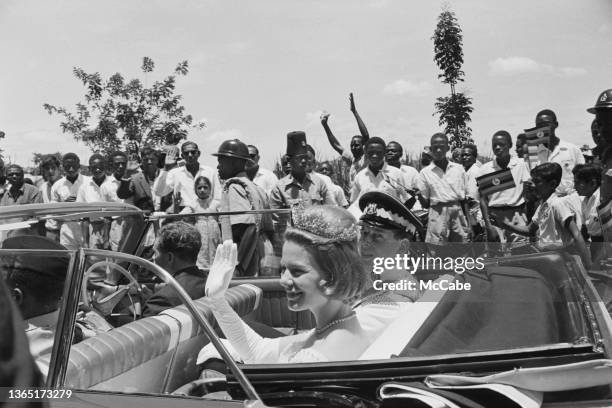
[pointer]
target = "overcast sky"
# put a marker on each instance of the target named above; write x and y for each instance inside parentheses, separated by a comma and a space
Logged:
(262, 68)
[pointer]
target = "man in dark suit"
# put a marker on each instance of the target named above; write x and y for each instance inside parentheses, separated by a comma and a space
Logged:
(138, 186)
(176, 250)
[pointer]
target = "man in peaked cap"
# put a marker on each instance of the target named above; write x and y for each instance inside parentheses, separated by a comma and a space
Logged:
(242, 194)
(36, 283)
(298, 187)
(388, 231)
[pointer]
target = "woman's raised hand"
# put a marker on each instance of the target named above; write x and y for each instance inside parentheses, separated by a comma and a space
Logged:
(222, 269)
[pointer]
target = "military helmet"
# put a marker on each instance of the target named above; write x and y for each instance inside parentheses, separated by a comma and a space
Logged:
(604, 101)
(233, 148)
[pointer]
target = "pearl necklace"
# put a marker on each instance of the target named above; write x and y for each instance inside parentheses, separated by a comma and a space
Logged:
(335, 322)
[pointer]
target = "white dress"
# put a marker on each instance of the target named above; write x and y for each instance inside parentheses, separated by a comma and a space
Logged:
(255, 349)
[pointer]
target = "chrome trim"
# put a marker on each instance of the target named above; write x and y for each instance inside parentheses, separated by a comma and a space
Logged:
(167, 278)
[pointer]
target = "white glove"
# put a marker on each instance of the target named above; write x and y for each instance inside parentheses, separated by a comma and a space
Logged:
(222, 269)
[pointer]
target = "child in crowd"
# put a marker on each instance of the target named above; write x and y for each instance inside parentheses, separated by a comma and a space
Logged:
(553, 222)
(207, 226)
(587, 179)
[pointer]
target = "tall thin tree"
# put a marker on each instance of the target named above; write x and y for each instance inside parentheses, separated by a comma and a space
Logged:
(454, 110)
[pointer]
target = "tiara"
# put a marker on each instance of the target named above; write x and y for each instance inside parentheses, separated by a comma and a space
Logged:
(312, 223)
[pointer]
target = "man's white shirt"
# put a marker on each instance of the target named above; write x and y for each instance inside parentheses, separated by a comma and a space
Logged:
(180, 180)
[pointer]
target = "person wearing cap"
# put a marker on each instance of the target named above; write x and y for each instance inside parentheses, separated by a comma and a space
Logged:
(443, 188)
(378, 175)
(179, 180)
(36, 283)
(242, 195)
(388, 229)
(65, 190)
(603, 117)
(356, 158)
(19, 192)
(566, 154)
(508, 204)
(298, 188)
(262, 177)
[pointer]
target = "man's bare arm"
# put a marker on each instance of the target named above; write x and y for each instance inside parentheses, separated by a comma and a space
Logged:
(330, 136)
(362, 127)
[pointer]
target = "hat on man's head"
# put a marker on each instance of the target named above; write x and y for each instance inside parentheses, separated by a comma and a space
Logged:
(296, 143)
(384, 211)
(48, 265)
(233, 148)
(604, 101)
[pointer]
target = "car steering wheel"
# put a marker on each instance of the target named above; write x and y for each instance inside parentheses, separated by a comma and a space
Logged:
(106, 304)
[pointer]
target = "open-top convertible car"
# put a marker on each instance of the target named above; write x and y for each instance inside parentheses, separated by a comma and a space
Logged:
(533, 330)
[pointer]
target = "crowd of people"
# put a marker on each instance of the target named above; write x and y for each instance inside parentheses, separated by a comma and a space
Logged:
(551, 201)
(538, 192)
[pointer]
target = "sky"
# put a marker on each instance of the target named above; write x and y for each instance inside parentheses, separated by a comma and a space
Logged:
(261, 69)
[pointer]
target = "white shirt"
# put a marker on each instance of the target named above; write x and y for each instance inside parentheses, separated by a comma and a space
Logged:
(567, 155)
(328, 183)
(355, 166)
(45, 190)
(338, 194)
(550, 216)
(589, 214)
(574, 204)
(439, 186)
(70, 233)
(389, 180)
(180, 180)
(90, 192)
(410, 175)
(62, 189)
(513, 196)
(265, 179)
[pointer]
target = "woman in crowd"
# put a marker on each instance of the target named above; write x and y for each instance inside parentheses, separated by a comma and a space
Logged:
(322, 273)
(206, 226)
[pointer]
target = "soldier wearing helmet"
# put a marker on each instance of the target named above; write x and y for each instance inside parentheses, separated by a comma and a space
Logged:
(603, 118)
(242, 195)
